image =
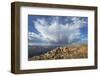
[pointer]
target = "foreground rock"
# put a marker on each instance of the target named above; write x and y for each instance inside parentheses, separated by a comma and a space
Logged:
(67, 52)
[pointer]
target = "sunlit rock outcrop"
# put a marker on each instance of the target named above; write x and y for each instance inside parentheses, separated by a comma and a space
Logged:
(66, 52)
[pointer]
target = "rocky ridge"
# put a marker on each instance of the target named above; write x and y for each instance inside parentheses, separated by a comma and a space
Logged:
(67, 52)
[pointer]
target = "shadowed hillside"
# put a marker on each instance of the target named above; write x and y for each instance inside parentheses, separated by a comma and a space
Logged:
(67, 52)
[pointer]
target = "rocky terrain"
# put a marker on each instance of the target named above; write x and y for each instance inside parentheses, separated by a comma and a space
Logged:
(66, 52)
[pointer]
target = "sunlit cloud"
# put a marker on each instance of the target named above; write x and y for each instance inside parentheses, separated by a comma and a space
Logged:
(55, 31)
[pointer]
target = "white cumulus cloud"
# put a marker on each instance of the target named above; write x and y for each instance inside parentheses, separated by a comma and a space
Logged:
(56, 32)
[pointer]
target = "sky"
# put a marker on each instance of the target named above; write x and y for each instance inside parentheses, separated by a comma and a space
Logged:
(57, 30)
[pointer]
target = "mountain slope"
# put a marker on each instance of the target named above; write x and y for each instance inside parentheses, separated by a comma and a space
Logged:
(66, 52)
